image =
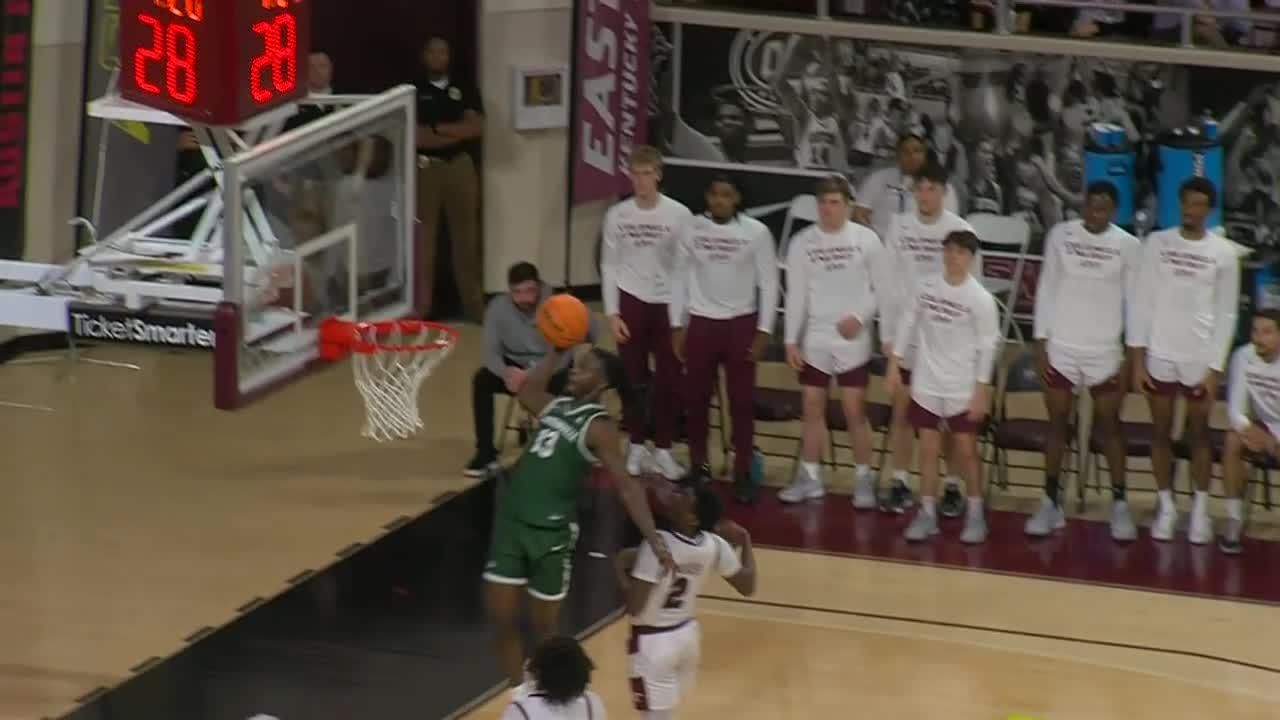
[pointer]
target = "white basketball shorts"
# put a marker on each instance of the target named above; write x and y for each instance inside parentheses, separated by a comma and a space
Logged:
(829, 353)
(1169, 372)
(1085, 368)
(664, 664)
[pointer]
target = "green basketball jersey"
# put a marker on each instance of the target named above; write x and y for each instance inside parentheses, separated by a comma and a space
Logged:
(550, 475)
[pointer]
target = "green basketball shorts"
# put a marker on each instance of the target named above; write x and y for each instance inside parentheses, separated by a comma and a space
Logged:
(539, 558)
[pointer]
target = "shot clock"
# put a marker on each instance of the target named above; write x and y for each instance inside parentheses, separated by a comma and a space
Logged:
(214, 62)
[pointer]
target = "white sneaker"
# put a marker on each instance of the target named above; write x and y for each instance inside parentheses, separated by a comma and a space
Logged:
(1166, 520)
(1201, 530)
(1122, 527)
(637, 459)
(864, 491)
(665, 465)
(1047, 518)
(803, 487)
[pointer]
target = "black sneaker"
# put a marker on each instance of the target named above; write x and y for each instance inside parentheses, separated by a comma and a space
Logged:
(1229, 541)
(480, 464)
(697, 476)
(899, 500)
(952, 505)
(744, 489)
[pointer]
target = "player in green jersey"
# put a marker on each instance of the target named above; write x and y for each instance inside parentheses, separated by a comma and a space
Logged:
(535, 528)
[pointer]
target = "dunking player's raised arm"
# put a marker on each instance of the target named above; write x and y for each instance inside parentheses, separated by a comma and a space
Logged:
(605, 442)
(533, 395)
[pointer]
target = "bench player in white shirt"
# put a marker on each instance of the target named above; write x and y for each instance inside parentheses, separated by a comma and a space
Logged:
(1188, 292)
(557, 683)
(831, 298)
(637, 253)
(1253, 407)
(913, 253)
(953, 325)
(1090, 268)
(724, 260)
(664, 645)
(888, 191)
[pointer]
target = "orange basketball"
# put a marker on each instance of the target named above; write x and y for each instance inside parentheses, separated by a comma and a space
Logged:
(563, 320)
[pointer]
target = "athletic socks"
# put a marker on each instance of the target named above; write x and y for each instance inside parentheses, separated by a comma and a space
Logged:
(1201, 504)
(929, 506)
(974, 506)
(1051, 489)
(811, 469)
(1166, 499)
(1235, 509)
(861, 470)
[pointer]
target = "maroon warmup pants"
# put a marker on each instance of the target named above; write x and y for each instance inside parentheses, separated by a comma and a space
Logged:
(650, 328)
(710, 344)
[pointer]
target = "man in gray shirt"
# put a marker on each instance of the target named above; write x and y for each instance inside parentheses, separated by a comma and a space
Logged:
(512, 346)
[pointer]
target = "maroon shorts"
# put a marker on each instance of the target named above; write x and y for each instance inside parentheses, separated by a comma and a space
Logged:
(858, 377)
(922, 419)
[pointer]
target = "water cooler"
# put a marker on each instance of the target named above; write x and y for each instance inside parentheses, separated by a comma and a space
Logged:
(1110, 157)
(1183, 153)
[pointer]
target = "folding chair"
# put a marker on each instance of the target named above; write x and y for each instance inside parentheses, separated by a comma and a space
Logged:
(1024, 434)
(1014, 235)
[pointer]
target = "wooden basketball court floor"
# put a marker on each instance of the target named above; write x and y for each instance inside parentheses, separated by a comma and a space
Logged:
(137, 516)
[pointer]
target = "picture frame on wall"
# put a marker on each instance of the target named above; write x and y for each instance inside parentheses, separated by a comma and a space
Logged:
(540, 97)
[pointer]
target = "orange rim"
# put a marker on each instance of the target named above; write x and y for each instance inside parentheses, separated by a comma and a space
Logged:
(339, 337)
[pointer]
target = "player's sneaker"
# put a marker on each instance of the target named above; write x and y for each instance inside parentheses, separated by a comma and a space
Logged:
(864, 490)
(1047, 518)
(1166, 520)
(975, 528)
(1201, 530)
(900, 499)
(1230, 540)
(952, 503)
(637, 459)
(665, 465)
(923, 527)
(480, 464)
(1123, 528)
(803, 487)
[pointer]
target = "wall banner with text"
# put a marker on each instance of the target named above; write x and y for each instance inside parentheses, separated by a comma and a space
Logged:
(611, 94)
(15, 94)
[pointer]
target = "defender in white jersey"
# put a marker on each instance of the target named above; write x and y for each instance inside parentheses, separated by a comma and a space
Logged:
(1186, 312)
(664, 646)
(1090, 268)
(832, 279)
(913, 253)
(888, 191)
(954, 325)
(1253, 408)
(556, 686)
(724, 262)
(636, 259)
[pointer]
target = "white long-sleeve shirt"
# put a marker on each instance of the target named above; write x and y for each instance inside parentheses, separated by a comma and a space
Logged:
(715, 266)
(913, 250)
(1253, 390)
(639, 249)
(1188, 292)
(830, 276)
(1084, 282)
(956, 332)
(887, 192)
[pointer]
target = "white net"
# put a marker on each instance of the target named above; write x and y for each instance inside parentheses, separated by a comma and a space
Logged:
(390, 362)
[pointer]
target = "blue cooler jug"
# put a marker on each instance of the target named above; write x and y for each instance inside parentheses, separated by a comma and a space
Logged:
(1109, 156)
(1185, 153)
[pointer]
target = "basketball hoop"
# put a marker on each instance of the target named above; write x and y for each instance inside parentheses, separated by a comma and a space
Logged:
(390, 360)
